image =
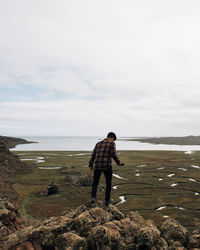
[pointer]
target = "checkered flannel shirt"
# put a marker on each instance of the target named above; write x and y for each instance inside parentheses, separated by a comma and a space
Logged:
(102, 155)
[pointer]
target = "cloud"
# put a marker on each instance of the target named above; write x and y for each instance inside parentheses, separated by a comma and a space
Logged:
(130, 65)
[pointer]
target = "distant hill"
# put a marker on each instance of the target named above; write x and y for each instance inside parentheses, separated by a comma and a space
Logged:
(186, 140)
(11, 142)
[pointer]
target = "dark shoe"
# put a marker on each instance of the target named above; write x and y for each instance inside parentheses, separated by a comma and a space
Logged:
(107, 203)
(93, 200)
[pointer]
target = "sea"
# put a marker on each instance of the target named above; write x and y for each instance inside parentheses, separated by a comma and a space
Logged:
(75, 143)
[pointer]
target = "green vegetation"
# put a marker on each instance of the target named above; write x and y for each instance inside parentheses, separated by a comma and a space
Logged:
(165, 180)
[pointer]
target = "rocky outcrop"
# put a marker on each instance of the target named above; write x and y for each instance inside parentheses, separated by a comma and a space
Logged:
(50, 189)
(99, 227)
(10, 219)
(9, 165)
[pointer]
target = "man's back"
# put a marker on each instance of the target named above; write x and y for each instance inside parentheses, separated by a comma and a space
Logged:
(102, 155)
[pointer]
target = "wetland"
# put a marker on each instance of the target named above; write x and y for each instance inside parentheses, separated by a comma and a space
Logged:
(157, 184)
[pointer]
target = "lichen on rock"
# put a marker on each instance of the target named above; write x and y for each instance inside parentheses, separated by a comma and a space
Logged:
(96, 227)
(50, 189)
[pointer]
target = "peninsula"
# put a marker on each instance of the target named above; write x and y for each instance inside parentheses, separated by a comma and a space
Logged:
(12, 142)
(185, 140)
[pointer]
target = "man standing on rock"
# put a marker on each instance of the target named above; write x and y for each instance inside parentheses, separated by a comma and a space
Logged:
(102, 156)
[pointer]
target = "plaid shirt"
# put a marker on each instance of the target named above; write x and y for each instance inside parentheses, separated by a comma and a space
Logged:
(102, 154)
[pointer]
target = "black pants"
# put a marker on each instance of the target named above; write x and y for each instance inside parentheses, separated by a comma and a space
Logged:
(108, 176)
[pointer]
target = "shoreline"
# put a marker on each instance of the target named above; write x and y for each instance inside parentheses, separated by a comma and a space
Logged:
(88, 143)
(14, 150)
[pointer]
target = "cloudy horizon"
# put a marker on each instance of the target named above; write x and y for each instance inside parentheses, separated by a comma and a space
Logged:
(84, 68)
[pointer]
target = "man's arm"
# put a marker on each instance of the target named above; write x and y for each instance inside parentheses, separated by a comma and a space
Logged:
(114, 155)
(92, 158)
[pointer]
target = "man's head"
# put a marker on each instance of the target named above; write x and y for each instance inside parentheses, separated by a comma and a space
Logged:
(112, 136)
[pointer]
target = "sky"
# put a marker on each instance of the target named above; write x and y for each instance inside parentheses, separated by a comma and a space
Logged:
(84, 68)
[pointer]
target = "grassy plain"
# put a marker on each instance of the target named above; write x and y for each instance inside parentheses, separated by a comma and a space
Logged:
(156, 183)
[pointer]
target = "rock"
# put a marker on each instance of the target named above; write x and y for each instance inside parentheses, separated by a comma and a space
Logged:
(115, 233)
(74, 213)
(10, 165)
(84, 223)
(137, 218)
(174, 245)
(195, 239)
(69, 178)
(172, 230)
(43, 235)
(70, 241)
(26, 245)
(149, 238)
(50, 189)
(4, 231)
(85, 180)
(99, 238)
(93, 227)
(10, 218)
(100, 215)
(128, 229)
(4, 148)
(116, 214)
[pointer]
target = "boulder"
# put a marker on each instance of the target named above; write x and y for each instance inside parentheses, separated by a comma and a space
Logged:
(116, 214)
(128, 229)
(171, 230)
(84, 223)
(44, 235)
(50, 189)
(195, 239)
(85, 180)
(10, 218)
(4, 231)
(99, 238)
(70, 241)
(100, 215)
(136, 217)
(149, 238)
(93, 227)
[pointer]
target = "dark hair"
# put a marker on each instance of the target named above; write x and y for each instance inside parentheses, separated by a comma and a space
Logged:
(112, 135)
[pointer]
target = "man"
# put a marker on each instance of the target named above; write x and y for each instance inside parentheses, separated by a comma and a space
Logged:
(102, 156)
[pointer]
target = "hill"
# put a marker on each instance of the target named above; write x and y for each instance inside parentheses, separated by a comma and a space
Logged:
(10, 165)
(186, 140)
(11, 142)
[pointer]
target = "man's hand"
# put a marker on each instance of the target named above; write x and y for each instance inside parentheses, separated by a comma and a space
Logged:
(91, 168)
(121, 164)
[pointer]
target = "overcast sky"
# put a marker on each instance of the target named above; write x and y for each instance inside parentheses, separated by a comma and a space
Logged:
(74, 67)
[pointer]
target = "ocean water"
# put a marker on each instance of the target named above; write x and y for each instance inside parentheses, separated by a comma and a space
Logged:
(69, 143)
